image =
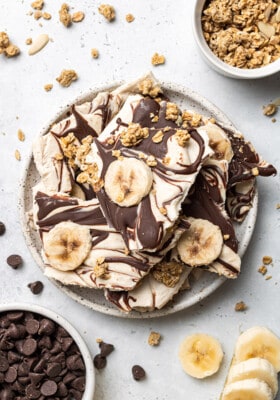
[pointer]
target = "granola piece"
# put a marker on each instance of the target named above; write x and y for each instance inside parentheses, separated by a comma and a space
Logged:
(48, 87)
(20, 135)
(267, 260)
(17, 155)
(148, 88)
(94, 53)
(172, 111)
(11, 50)
(107, 11)
(28, 41)
(78, 16)
(157, 138)
(240, 306)
(133, 135)
(69, 148)
(182, 136)
(37, 14)
(6, 47)
(268, 277)
(46, 15)
(269, 109)
(158, 59)
(129, 18)
(101, 268)
(64, 15)
(4, 41)
(262, 269)
(66, 77)
(168, 273)
(154, 338)
(38, 4)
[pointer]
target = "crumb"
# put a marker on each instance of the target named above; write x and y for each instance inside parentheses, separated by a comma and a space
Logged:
(262, 269)
(107, 11)
(78, 16)
(64, 15)
(268, 277)
(20, 135)
(6, 47)
(148, 88)
(163, 210)
(157, 138)
(99, 340)
(38, 4)
(255, 171)
(273, 120)
(154, 338)
(168, 273)
(278, 206)
(48, 87)
(17, 155)
(94, 53)
(37, 15)
(46, 15)
(158, 59)
(269, 109)
(240, 306)
(129, 18)
(28, 41)
(267, 260)
(12, 51)
(66, 77)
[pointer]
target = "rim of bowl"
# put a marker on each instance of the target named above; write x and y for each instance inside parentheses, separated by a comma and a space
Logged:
(53, 315)
(220, 65)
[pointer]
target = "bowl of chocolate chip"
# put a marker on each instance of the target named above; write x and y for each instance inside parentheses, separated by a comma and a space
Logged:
(42, 356)
(240, 40)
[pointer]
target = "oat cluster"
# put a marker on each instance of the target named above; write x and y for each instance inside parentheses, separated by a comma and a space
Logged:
(133, 135)
(107, 11)
(101, 268)
(182, 136)
(6, 47)
(158, 59)
(147, 87)
(168, 273)
(243, 33)
(154, 338)
(66, 77)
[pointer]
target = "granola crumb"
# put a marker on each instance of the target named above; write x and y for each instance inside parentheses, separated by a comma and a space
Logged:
(269, 109)
(94, 53)
(100, 270)
(48, 87)
(6, 47)
(64, 15)
(278, 206)
(172, 111)
(133, 134)
(129, 18)
(38, 4)
(262, 269)
(107, 11)
(168, 273)
(147, 87)
(66, 77)
(182, 136)
(267, 260)
(163, 210)
(28, 41)
(78, 16)
(268, 277)
(17, 155)
(98, 340)
(273, 120)
(46, 15)
(37, 14)
(255, 171)
(11, 50)
(240, 306)
(157, 138)
(20, 135)
(158, 59)
(154, 338)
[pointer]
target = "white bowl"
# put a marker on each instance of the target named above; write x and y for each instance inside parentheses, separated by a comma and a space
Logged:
(88, 359)
(217, 64)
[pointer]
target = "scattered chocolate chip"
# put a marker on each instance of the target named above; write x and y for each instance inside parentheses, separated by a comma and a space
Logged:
(99, 361)
(36, 287)
(2, 228)
(138, 372)
(14, 261)
(105, 349)
(49, 388)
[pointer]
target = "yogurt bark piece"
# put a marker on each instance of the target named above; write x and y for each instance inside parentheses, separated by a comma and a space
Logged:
(151, 133)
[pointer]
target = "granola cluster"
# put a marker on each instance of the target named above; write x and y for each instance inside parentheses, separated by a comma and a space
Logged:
(6, 47)
(243, 33)
(133, 135)
(148, 88)
(107, 11)
(168, 273)
(66, 77)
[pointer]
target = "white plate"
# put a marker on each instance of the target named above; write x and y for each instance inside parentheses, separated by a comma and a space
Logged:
(94, 299)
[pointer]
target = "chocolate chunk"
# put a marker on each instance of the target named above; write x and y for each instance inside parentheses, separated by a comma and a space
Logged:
(14, 261)
(49, 388)
(32, 392)
(29, 346)
(4, 364)
(53, 369)
(138, 372)
(99, 361)
(2, 228)
(36, 287)
(105, 349)
(11, 375)
(32, 326)
(47, 327)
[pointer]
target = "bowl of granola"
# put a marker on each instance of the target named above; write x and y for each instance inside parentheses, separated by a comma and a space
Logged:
(241, 40)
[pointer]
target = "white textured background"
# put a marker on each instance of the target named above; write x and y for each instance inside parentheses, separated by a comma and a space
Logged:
(125, 53)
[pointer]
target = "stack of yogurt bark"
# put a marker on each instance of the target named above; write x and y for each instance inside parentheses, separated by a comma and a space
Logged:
(135, 195)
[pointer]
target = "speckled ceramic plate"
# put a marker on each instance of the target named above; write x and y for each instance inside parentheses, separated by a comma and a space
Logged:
(94, 299)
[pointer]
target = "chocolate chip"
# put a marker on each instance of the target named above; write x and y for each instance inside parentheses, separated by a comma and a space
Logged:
(79, 383)
(47, 327)
(35, 377)
(29, 346)
(11, 375)
(32, 326)
(36, 287)
(32, 392)
(99, 361)
(53, 370)
(2, 228)
(138, 372)
(49, 388)
(14, 261)
(105, 349)
(4, 364)
(75, 362)
(15, 316)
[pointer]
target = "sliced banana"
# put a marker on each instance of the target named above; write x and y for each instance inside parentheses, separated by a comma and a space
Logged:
(218, 141)
(127, 181)
(258, 341)
(248, 389)
(200, 355)
(67, 245)
(201, 244)
(258, 368)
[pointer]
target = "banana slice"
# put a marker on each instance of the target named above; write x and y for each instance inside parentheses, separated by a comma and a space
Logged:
(258, 368)
(200, 355)
(201, 244)
(248, 389)
(258, 341)
(67, 245)
(127, 181)
(218, 141)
